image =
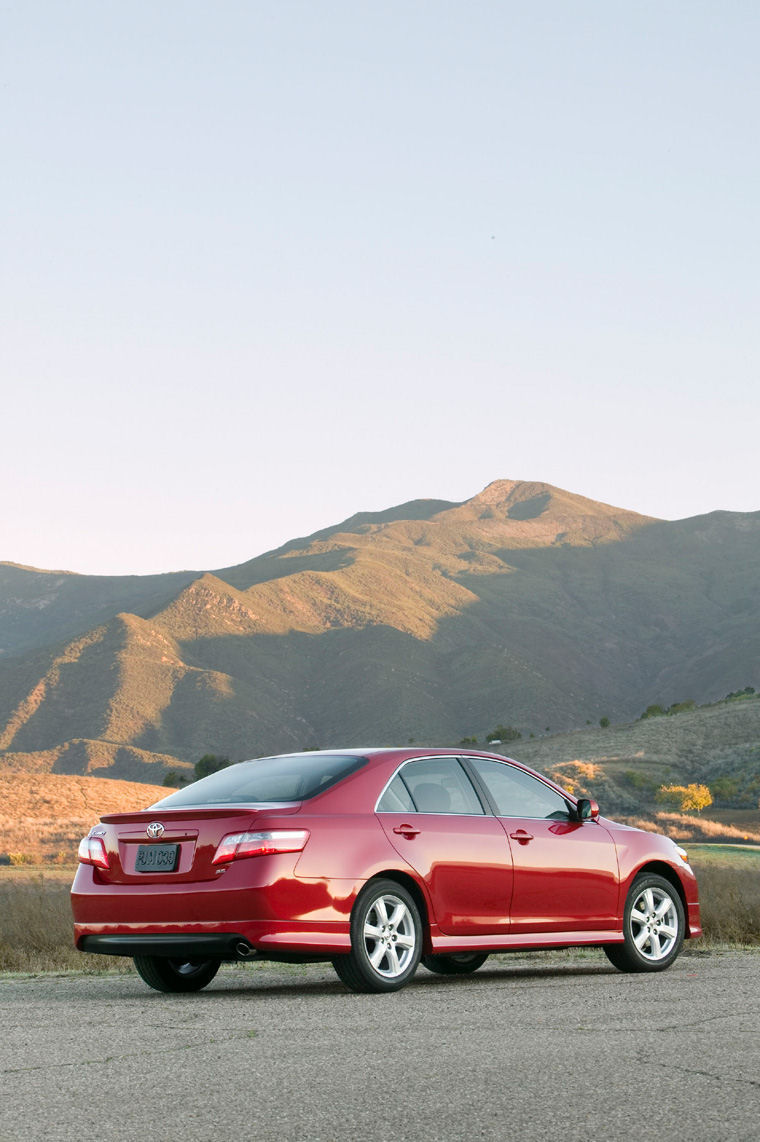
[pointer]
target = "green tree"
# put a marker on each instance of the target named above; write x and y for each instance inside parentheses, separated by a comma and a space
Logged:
(173, 779)
(725, 788)
(604, 722)
(655, 711)
(210, 763)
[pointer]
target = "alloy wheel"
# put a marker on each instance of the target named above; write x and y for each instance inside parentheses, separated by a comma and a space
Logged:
(390, 936)
(654, 923)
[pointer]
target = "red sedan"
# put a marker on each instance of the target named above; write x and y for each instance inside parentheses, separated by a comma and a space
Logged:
(374, 860)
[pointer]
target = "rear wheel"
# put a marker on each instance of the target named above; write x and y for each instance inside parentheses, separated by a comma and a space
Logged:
(386, 939)
(163, 974)
(653, 927)
(459, 963)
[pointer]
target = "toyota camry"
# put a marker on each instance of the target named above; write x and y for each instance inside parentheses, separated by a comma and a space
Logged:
(376, 860)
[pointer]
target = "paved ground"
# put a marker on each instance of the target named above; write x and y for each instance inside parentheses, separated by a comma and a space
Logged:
(526, 1049)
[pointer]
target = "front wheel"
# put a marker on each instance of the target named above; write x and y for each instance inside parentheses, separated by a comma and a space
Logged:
(163, 974)
(386, 939)
(653, 927)
(458, 963)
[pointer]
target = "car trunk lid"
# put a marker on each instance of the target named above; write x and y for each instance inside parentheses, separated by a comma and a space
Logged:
(175, 845)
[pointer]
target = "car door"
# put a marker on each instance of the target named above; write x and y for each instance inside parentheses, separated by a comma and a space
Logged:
(565, 870)
(436, 821)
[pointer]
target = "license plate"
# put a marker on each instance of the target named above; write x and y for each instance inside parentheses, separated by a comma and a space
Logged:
(156, 858)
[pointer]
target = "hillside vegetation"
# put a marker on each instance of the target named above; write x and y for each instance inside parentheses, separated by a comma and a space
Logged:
(526, 605)
(624, 767)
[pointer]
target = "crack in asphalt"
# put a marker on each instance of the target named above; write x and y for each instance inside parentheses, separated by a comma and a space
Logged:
(702, 1074)
(702, 1022)
(244, 1034)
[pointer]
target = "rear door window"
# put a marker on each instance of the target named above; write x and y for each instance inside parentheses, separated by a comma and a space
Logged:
(437, 785)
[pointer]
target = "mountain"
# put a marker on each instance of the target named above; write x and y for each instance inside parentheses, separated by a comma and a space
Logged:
(525, 605)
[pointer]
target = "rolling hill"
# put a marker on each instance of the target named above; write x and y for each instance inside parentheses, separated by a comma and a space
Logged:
(525, 605)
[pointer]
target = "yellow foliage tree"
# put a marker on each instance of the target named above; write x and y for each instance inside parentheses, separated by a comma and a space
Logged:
(685, 797)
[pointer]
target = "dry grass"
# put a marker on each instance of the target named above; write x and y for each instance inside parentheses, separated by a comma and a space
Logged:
(36, 932)
(683, 827)
(36, 925)
(730, 899)
(43, 816)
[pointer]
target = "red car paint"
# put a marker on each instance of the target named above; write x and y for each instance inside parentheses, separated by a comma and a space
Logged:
(484, 882)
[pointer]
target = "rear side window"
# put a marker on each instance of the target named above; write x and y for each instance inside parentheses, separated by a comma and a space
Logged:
(396, 799)
(293, 778)
(431, 785)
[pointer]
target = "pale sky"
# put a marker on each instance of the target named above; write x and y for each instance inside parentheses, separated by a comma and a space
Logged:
(267, 264)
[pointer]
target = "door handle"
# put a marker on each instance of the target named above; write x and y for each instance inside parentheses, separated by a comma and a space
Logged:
(521, 836)
(406, 831)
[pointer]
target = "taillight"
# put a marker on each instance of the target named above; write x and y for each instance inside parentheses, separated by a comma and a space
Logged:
(237, 845)
(92, 850)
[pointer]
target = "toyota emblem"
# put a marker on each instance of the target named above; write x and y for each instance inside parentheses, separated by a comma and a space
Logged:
(155, 830)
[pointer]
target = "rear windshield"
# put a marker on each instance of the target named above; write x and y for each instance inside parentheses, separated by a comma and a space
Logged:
(293, 778)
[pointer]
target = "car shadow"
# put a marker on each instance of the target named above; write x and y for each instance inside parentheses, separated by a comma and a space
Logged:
(422, 980)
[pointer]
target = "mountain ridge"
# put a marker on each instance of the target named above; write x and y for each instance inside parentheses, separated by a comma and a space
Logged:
(524, 604)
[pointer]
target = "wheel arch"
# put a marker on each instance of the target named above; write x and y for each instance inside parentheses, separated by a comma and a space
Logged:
(417, 894)
(667, 872)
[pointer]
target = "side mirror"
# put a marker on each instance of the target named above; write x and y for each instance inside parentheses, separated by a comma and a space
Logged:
(586, 810)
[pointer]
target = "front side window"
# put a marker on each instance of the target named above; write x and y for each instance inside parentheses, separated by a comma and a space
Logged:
(516, 794)
(437, 785)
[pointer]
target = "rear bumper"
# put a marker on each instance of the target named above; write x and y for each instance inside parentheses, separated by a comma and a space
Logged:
(223, 946)
(220, 940)
(143, 918)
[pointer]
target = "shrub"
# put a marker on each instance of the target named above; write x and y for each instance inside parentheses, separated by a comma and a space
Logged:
(681, 707)
(655, 711)
(604, 722)
(639, 781)
(504, 734)
(658, 711)
(735, 695)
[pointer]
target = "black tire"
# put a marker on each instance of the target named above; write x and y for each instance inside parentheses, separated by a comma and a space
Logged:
(653, 927)
(459, 963)
(386, 939)
(163, 974)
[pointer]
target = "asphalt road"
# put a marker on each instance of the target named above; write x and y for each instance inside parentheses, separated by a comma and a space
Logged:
(526, 1049)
